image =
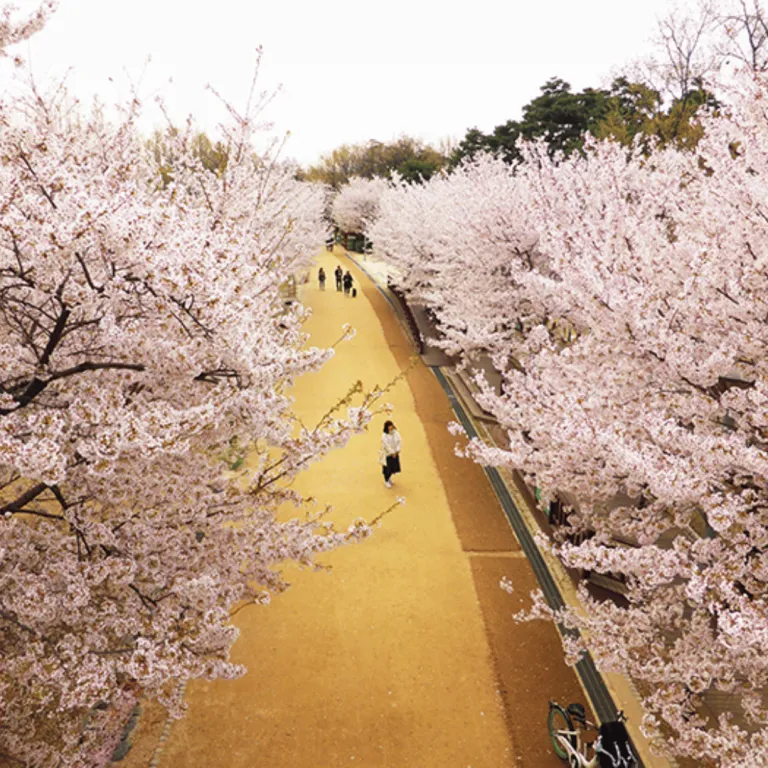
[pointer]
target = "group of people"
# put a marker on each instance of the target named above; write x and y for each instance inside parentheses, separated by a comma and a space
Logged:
(391, 442)
(344, 280)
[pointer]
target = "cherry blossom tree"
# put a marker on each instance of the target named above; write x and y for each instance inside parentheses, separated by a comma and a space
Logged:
(13, 31)
(355, 206)
(630, 332)
(142, 337)
(455, 242)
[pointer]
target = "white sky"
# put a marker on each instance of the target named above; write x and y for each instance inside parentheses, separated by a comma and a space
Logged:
(350, 70)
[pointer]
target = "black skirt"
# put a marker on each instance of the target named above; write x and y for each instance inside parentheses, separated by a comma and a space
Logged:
(393, 464)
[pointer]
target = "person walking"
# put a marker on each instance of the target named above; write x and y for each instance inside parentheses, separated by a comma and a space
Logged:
(338, 272)
(321, 278)
(389, 453)
(347, 282)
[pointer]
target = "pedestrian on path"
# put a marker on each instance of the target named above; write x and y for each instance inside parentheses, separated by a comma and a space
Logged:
(321, 278)
(347, 282)
(389, 453)
(339, 273)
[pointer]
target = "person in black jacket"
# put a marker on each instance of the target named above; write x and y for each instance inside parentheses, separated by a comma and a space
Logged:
(338, 273)
(347, 283)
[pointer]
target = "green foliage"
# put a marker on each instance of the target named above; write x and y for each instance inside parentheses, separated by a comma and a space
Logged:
(409, 157)
(621, 113)
(418, 169)
(337, 168)
(563, 117)
(636, 111)
(214, 157)
(632, 107)
(558, 115)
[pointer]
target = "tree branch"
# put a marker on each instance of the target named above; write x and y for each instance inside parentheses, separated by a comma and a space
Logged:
(97, 288)
(56, 334)
(36, 386)
(31, 493)
(147, 602)
(45, 192)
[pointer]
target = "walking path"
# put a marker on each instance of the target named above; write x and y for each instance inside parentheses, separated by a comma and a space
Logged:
(405, 654)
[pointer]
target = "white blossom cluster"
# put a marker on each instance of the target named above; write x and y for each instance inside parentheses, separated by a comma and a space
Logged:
(144, 346)
(623, 296)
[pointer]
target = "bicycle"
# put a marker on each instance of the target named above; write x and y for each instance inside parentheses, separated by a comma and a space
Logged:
(611, 749)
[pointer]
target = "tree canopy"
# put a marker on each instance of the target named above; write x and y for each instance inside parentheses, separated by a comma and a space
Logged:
(562, 119)
(621, 294)
(410, 158)
(144, 344)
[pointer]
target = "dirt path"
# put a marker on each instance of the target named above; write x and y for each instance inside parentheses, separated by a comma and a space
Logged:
(405, 654)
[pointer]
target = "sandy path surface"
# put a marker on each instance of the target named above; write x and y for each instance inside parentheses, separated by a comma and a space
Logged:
(383, 661)
(405, 653)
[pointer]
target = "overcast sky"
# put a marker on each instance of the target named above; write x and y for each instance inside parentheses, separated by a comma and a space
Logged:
(350, 70)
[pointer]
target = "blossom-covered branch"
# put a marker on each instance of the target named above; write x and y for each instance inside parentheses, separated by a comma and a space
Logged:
(622, 298)
(142, 335)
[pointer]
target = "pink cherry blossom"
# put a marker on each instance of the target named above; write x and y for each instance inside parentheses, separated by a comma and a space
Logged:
(144, 346)
(355, 206)
(622, 298)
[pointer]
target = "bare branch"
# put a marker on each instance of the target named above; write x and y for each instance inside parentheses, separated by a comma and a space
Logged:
(56, 334)
(17, 504)
(34, 387)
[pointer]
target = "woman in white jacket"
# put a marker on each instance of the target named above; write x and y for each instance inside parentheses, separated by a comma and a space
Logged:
(389, 454)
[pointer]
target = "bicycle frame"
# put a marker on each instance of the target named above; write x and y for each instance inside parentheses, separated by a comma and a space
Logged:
(576, 758)
(566, 731)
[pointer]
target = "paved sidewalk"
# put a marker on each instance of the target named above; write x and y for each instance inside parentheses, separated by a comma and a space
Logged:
(374, 267)
(380, 272)
(384, 661)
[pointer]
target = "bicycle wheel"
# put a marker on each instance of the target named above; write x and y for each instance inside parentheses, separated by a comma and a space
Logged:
(559, 720)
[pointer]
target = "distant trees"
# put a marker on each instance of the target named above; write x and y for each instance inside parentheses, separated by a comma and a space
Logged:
(563, 118)
(410, 158)
(745, 27)
(557, 114)
(693, 43)
(355, 207)
(656, 97)
(635, 110)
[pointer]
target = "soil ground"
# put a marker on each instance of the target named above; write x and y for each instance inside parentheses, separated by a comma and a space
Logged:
(405, 654)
